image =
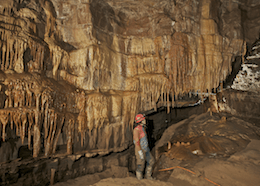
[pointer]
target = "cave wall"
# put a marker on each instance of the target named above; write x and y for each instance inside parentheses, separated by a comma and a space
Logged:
(75, 73)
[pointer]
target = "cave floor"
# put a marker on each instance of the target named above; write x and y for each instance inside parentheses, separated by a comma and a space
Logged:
(242, 168)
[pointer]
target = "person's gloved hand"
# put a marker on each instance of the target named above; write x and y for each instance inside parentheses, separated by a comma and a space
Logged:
(141, 154)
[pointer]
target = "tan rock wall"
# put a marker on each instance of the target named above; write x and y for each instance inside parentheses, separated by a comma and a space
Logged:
(90, 66)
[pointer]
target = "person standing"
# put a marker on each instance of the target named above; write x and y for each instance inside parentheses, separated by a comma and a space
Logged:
(142, 151)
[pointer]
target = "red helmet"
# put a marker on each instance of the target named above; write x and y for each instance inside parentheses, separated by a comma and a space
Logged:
(139, 118)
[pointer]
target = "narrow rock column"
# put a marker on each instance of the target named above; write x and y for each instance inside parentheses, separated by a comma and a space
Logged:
(52, 176)
(36, 129)
(69, 137)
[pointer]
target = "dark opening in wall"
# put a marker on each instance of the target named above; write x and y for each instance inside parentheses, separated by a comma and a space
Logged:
(236, 66)
(27, 57)
(158, 122)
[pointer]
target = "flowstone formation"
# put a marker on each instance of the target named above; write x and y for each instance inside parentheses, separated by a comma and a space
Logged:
(75, 73)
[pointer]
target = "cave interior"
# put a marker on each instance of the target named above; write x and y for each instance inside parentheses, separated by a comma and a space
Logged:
(73, 75)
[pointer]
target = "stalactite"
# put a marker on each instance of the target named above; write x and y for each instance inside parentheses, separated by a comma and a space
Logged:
(37, 95)
(3, 56)
(36, 134)
(81, 128)
(4, 118)
(146, 84)
(93, 138)
(46, 111)
(24, 121)
(168, 102)
(11, 55)
(151, 86)
(7, 55)
(16, 54)
(28, 95)
(59, 127)
(52, 132)
(8, 93)
(108, 132)
(48, 128)
(21, 95)
(17, 122)
(30, 119)
(44, 100)
(70, 136)
(57, 54)
(18, 93)
(11, 120)
(129, 112)
(42, 57)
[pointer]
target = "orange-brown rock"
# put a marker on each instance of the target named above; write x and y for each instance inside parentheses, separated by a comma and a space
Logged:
(101, 62)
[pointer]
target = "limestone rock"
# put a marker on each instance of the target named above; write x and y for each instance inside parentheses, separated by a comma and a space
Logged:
(79, 71)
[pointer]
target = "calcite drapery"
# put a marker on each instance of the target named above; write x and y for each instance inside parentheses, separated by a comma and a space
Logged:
(81, 70)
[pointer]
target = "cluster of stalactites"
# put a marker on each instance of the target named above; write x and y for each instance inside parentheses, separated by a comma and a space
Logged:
(12, 53)
(19, 33)
(26, 106)
(33, 112)
(189, 64)
(97, 109)
(21, 93)
(29, 122)
(7, 7)
(155, 91)
(58, 56)
(130, 108)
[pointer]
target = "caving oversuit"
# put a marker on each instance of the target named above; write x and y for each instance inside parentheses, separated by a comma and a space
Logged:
(142, 151)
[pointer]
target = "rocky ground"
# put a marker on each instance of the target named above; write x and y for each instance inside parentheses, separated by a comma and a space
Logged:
(207, 149)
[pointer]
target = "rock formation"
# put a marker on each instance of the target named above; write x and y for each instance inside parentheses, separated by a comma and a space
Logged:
(75, 73)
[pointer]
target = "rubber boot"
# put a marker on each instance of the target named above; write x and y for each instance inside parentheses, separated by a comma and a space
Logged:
(149, 173)
(139, 175)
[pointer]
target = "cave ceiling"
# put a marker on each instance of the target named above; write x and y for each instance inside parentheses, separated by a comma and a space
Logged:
(79, 70)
